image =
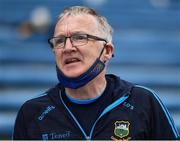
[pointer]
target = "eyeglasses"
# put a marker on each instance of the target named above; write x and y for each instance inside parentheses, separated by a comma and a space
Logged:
(76, 40)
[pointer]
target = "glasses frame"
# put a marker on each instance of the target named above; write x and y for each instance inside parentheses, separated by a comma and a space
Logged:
(50, 40)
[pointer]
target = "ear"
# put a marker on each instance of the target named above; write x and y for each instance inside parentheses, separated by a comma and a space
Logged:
(108, 52)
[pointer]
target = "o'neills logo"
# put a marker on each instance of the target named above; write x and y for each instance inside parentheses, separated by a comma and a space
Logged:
(121, 130)
(45, 112)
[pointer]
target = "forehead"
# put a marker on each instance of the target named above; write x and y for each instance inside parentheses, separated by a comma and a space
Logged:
(76, 23)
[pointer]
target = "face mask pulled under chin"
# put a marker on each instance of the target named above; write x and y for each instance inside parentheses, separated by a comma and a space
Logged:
(83, 79)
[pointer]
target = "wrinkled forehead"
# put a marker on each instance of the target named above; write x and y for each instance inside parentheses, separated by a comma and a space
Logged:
(77, 23)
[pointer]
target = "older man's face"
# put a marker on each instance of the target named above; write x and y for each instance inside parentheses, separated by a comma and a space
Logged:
(75, 60)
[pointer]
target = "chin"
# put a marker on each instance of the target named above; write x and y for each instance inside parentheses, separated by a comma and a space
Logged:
(72, 74)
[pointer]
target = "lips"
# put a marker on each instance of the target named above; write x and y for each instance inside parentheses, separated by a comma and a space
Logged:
(71, 60)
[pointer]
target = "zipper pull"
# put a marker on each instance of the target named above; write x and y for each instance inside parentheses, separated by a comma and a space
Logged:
(88, 138)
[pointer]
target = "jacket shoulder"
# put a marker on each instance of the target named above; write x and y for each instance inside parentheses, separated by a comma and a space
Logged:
(42, 99)
(38, 100)
(36, 104)
(144, 92)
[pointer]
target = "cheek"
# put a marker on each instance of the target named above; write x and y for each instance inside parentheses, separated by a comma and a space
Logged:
(90, 58)
(91, 51)
(57, 56)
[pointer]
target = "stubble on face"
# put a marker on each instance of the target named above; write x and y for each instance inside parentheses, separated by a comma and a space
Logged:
(87, 53)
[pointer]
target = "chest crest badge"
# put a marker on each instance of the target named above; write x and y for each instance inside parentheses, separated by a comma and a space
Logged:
(121, 129)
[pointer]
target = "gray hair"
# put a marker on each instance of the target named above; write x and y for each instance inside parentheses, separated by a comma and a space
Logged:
(103, 24)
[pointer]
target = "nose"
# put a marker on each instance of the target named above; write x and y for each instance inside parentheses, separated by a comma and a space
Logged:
(68, 47)
(68, 44)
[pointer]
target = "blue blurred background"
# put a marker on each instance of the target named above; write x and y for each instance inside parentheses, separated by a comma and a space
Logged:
(146, 38)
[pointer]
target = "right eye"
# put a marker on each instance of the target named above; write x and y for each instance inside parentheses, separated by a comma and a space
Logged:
(59, 41)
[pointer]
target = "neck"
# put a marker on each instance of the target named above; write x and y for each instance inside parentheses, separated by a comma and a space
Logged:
(91, 90)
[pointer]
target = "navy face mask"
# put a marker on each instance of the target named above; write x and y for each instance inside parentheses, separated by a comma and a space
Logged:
(84, 78)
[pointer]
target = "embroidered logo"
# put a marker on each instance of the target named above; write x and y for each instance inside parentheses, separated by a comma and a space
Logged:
(56, 135)
(46, 111)
(121, 128)
(128, 105)
(45, 137)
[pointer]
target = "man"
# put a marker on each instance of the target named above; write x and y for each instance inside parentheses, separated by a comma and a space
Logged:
(87, 104)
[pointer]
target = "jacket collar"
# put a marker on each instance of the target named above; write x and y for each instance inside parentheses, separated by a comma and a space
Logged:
(121, 88)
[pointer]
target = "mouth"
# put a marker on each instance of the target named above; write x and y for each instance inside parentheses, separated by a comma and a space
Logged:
(71, 61)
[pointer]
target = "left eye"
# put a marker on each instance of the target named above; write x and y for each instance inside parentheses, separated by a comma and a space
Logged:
(79, 37)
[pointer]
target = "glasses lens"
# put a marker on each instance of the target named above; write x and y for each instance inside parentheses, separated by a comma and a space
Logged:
(59, 41)
(79, 39)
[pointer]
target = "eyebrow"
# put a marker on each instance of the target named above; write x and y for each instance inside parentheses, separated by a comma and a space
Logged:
(76, 32)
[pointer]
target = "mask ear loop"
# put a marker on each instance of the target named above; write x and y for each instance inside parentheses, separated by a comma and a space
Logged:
(102, 52)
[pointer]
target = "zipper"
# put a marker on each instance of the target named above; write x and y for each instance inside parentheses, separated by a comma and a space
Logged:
(74, 118)
(88, 138)
(106, 110)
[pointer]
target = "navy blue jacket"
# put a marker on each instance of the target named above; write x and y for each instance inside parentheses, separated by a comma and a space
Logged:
(136, 113)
